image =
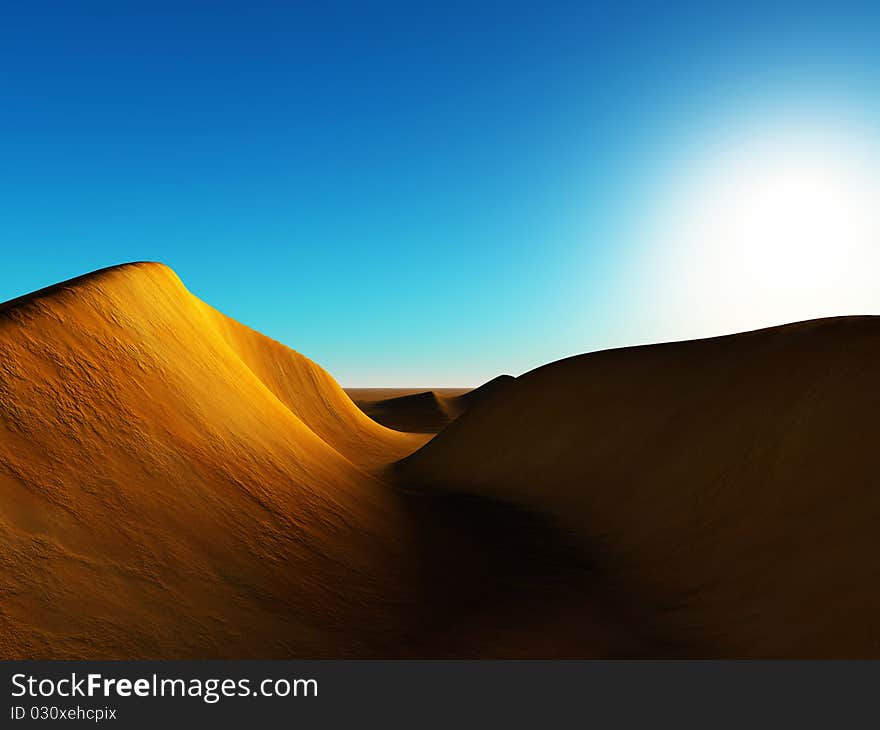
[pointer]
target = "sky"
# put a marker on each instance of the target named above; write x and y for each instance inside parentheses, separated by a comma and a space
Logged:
(431, 194)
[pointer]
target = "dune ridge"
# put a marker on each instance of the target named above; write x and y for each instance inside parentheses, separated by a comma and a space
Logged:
(728, 486)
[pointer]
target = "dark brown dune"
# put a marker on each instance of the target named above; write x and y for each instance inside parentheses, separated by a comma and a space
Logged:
(425, 411)
(730, 487)
(487, 390)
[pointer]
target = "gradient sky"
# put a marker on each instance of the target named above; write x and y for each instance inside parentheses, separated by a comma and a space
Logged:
(427, 194)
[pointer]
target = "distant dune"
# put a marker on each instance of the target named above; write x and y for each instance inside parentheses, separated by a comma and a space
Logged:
(729, 486)
(422, 411)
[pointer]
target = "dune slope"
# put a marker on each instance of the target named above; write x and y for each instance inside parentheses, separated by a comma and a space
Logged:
(175, 484)
(729, 487)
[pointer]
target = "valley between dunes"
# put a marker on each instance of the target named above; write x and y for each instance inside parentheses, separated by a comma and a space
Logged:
(174, 484)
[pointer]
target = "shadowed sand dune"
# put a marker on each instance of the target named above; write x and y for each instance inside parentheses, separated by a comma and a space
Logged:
(729, 486)
(174, 484)
(423, 411)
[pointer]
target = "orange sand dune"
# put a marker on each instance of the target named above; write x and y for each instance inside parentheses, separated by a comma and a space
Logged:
(175, 484)
(729, 486)
(423, 411)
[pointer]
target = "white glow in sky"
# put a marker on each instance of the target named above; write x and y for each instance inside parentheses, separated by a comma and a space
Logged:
(771, 225)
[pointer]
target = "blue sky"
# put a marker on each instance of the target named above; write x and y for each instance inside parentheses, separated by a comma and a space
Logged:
(411, 194)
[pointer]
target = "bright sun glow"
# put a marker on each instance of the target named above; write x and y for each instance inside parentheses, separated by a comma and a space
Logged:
(770, 228)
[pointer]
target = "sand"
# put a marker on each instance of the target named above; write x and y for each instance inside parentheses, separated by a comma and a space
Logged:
(176, 485)
(728, 486)
(372, 395)
(422, 411)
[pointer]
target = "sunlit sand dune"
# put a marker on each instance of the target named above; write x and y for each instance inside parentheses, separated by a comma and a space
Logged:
(730, 487)
(175, 484)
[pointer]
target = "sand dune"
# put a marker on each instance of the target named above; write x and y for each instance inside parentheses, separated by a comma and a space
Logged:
(371, 395)
(728, 486)
(175, 484)
(423, 411)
